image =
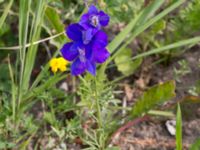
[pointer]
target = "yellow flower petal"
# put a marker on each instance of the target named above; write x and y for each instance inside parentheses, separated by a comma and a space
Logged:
(54, 65)
(53, 62)
(58, 64)
(54, 69)
(63, 68)
(62, 61)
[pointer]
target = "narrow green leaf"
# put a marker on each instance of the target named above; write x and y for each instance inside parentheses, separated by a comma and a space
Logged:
(25, 144)
(53, 23)
(14, 90)
(166, 11)
(196, 145)
(50, 118)
(24, 12)
(161, 113)
(42, 73)
(186, 42)
(140, 19)
(5, 13)
(155, 95)
(178, 129)
(149, 11)
(122, 35)
(191, 41)
(139, 29)
(34, 36)
(49, 83)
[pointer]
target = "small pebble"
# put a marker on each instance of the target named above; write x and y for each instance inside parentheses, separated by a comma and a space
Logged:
(171, 127)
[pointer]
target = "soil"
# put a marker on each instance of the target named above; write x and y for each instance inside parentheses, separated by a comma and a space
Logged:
(153, 134)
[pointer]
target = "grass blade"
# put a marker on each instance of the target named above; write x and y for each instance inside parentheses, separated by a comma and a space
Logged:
(178, 129)
(52, 22)
(142, 28)
(14, 92)
(24, 12)
(42, 73)
(32, 50)
(170, 46)
(191, 41)
(140, 19)
(122, 35)
(195, 145)
(5, 13)
(38, 90)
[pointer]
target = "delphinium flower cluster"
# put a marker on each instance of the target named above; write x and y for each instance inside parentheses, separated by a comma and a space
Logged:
(88, 42)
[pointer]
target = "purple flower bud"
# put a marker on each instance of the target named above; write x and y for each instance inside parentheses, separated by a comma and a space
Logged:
(94, 18)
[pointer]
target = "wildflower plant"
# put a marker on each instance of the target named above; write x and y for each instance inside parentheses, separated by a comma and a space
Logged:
(96, 109)
(86, 49)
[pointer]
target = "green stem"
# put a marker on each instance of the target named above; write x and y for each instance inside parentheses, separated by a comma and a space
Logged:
(99, 116)
(98, 107)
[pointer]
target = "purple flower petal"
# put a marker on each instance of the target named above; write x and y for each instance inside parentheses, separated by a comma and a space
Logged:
(100, 40)
(100, 55)
(84, 21)
(88, 34)
(91, 68)
(103, 18)
(78, 67)
(69, 52)
(74, 32)
(88, 52)
(92, 10)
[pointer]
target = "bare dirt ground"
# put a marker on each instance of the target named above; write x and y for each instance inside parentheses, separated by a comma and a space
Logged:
(153, 134)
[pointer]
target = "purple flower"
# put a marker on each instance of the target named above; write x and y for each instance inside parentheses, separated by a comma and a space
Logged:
(88, 45)
(87, 48)
(94, 18)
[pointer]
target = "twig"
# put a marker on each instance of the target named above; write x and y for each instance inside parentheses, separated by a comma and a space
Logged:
(48, 50)
(127, 125)
(34, 43)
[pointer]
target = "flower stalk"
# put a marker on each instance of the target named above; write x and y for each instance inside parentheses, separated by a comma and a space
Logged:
(98, 106)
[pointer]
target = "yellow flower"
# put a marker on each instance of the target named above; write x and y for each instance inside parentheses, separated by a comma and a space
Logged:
(62, 64)
(54, 65)
(58, 64)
